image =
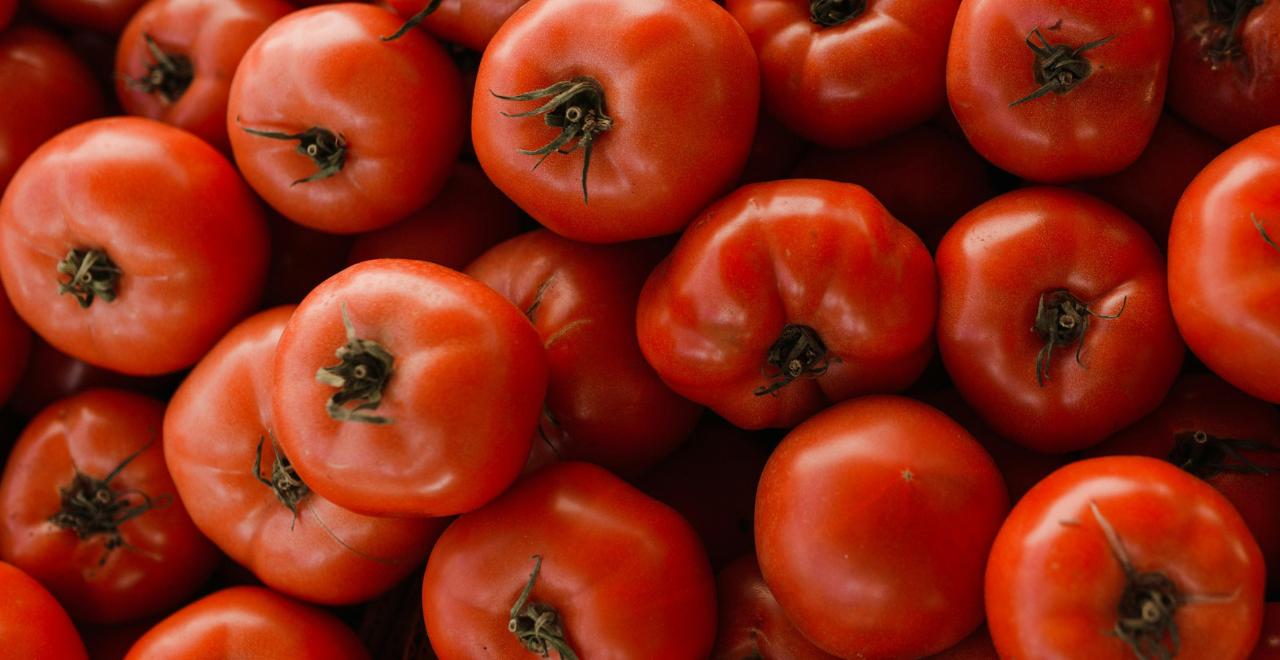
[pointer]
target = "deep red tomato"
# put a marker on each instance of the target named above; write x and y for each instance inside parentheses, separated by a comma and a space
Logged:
(774, 151)
(1224, 265)
(470, 23)
(570, 557)
(873, 522)
(844, 74)
(1055, 322)
(402, 421)
(175, 60)
(32, 623)
(664, 94)
(977, 646)
(1124, 557)
(105, 16)
(1268, 647)
(301, 258)
(786, 296)
(339, 130)
(51, 375)
(248, 622)
(150, 230)
(752, 625)
(90, 510)
(1058, 90)
(7, 9)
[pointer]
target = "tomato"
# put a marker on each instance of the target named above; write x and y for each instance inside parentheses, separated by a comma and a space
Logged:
(149, 229)
(1055, 322)
(339, 130)
(90, 510)
(787, 296)
(175, 60)
(570, 557)
(663, 93)
(1224, 265)
(1268, 647)
(403, 421)
(51, 374)
(844, 74)
(977, 646)
(104, 16)
(58, 91)
(32, 623)
(1124, 557)
(873, 521)
(248, 622)
(470, 23)
(7, 10)
(15, 336)
(1058, 90)
(752, 625)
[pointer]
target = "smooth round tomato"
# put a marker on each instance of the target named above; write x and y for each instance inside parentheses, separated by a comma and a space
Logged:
(1224, 265)
(1268, 647)
(844, 74)
(248, 622)
(405, 388)
(1123, 557)
(131, 245)
(32, 623)
(1055, 322)
(752, 625)
(1058, 90)
(787, 296)
(635, 114)
(570, 557)
(469, 23)
(339, 130)
(104, 16)
(91, 512)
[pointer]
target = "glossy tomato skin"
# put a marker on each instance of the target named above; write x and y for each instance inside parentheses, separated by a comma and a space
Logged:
(854, 83)
(163, 558)
(752, 625)
(1099, 126)
(32, 623)
(1054, 583)
(169, 211)
(873, 522)
(469, 24)
(212, 36)
(680, 84)
(249, 622)
(397, 105)
(819, 254)
(625, 573)
(995, 265)
(460, 352)
(104, 16)
(1224, 274)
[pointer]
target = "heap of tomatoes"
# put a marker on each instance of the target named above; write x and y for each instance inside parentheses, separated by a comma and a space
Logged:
(681, 329)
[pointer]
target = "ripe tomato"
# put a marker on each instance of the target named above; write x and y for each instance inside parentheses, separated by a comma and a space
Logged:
(151, 231)
(977, 646)
(7, 9)
(1123, 557)
(248, 622)
(469, 23)
(664, 93)
(339, 130)
(1058, 90)
(175, 60)
(570, 557)
(32, 623)
(1055, 322)
(403, 422)
(104, 16)
(752, 625)
(1224, 265)
(90, 510)
(844, 74)
(787, 296)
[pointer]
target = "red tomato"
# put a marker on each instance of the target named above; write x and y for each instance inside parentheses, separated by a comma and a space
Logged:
(7, 9)
(873, 522)
(1268, 647)
(843, 74)
(1058, 90)
(90, 510)
(175, 60)
(1224, 265)
(787, 296)
(977, 646)
(149, 229)
(470, 23)
(1123, 557)
(248, 622)
(105, 16)
(570, 557)
(752, 625)
(402, 421)
(664, 93)
(1055, 322)
(339, 130)
(15, 336)
(32, 623)
(51, 375)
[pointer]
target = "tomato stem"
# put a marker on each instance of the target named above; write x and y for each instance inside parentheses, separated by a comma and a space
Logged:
(284, 482)
(92, 276)
(362, 372)
(1058, 67)
(1263, 230)
(537, 625)
(1147, 604)
(1228, 15)
(325, 148)
(830, 13)
(413, 21)
(1206, 455)
(798, 352)
(168, 76)
(1061, 320)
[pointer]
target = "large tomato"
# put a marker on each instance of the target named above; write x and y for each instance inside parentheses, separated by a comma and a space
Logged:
(786, 296)
(1122, 557)
(752, 625)
(1224, 265)
(469, 23)
(32, 623)
(662, 93)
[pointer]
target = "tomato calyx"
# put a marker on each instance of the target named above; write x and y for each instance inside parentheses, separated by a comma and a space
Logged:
(576, 107)
(92, 273)
(1221, 42)
(285, 483)
(1058, 68)
(91, 507)
(362, 371)
(413, 21)
(1206, 455)
(1263, 231)
(798, 352)
(1062, 319)
(537, 625)
(830, 13)
(168, 76)
(328, 150)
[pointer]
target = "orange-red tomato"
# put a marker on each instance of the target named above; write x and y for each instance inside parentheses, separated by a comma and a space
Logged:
(32, 623)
